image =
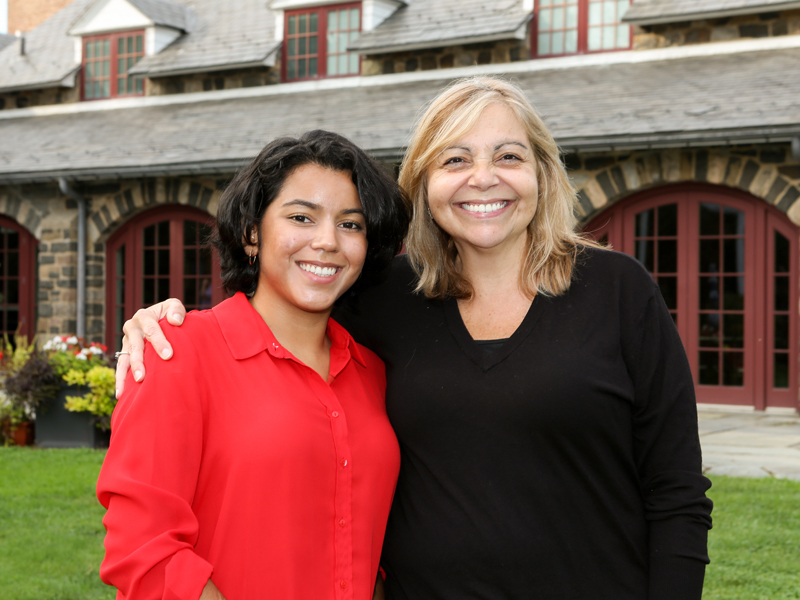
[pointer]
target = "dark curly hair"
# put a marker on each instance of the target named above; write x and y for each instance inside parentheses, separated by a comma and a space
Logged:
(253, 189)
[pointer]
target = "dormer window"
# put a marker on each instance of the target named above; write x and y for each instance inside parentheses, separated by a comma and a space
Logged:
(106, 62)
(580, 26)
(316, 40)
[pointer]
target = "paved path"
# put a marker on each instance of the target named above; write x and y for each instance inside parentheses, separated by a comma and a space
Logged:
(746, 443)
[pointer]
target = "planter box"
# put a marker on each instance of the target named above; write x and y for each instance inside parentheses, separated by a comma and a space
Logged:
(56, 427)
(20, 434)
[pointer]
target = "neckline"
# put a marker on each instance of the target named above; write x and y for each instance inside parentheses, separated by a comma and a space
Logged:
(470, 347)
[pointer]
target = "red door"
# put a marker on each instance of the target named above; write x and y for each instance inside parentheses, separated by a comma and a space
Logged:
(726, 264)
(17, 279)
(160, 254)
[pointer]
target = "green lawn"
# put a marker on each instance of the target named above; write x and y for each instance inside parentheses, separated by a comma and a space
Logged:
(51, 535)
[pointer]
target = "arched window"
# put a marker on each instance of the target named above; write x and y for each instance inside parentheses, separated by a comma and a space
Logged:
(726, 264)
(158, 255)
(17, 278)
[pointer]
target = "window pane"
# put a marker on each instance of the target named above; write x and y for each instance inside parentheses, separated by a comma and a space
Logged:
(333, 22)
(163, 233)
(667, 256)
(644, 223)
(332, 37)
(709, 368)
(609, 11)
(163, 262)
(571, 41)
(781, 293)
(733, 221)
(734, 293)
(780, 374)
(120, 66)
(106, 68)
(130, 45)
(709, 293)
(353, 58)
(609, 36)
(301, 24)
(149, 235)
(595, 14)
(139, 44)
(149, 292)
(558, 42)
(733, 369)
(312, 23)
(190, 261)
(543, 44)
(89, 48)
(106, 48)
(343, 64)
(355, 18)
(781, 253)
(734, 256)
(301, 46)
(312, 44)
(205, 262)
(121, 46)
(644, 253)
(163, 289)
(781, 323)
(130, 63)
(558, 18)
(572, 17)
(545, 19)
(292, 47)
(12, 289)
(291, 69)
(343, 43)
(189, 292)
(292, 25)
(106, 89)
(121, 85)
(312, 67)
(623, 36)
(189, 233)
(98, 90)
(668, 219)
(733, 331)
(139, 85)
(709, 331)
(12, 265)
(332, 65)
(669, 290)
(149, 262)
(709, 219)
(709, 256)
(301, 68)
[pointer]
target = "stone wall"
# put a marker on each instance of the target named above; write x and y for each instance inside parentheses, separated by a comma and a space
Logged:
(215, 80)
(53, 220)
(717, 30)
(504, 51)
(39, 97)
(768, 172)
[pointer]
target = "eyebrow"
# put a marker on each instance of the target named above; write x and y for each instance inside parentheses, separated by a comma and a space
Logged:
(496, 148)
(314, 206)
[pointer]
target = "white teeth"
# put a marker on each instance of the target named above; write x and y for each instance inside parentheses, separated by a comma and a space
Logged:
(484, 208)
(319, 271)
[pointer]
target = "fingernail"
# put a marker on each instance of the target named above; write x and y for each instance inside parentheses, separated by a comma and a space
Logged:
(177, 318)
(137, 375)
(167, 352)
(116, 394)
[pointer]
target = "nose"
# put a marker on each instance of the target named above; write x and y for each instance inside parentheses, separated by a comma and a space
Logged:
(326, 238)
(483, 175)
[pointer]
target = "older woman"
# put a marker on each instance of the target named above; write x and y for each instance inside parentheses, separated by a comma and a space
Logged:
(260, 462)
(537, 385)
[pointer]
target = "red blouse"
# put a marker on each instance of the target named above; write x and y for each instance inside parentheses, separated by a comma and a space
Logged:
(243, 463)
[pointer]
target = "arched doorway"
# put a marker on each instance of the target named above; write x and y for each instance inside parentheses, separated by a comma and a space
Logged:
(157, 255)
(17, 278)
(726, 264)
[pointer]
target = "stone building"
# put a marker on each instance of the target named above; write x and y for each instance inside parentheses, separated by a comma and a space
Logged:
(121, 122)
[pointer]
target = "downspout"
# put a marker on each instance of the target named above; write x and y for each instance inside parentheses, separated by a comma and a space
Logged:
(80, 320)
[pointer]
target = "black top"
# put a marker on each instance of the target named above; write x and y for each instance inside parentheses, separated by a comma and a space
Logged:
(564, 465)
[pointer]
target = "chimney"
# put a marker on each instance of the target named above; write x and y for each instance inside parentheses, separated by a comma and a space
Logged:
(21, 37)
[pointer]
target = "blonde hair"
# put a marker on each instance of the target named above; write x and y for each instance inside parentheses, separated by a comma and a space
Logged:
(554, 244)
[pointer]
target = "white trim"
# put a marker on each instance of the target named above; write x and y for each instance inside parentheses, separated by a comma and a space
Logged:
(110, 16)
(530, 66)
(746, 408)
(293, 4)
(518, 34)
(715, 14)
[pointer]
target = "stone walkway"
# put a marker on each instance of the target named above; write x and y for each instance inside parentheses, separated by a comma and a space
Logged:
(740, 441)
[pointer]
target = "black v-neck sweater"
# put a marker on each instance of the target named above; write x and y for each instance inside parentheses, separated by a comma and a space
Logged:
(563, 465)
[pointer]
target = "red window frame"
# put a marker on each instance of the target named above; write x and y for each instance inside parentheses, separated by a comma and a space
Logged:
(762, 222)
(126, 280)
(24, 279)
(321, 54)
(114, 57)
(582, 30)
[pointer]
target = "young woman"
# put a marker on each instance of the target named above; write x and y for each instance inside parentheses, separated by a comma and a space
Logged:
(260, 463)
(538, 388)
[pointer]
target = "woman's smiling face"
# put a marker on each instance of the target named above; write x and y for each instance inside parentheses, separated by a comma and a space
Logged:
(482, 189)
(312, 241)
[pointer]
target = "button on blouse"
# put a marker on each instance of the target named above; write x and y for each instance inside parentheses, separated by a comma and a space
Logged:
(236, 461)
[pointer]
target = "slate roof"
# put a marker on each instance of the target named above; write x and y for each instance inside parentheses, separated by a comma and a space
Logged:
(225, 35)
(166, 13)
(6, 39)
(49, 56)
(222, 35)
(645, 12)
(634, 103)
(428, 23)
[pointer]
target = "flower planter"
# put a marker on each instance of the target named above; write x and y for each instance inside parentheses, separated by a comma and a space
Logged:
(56, 427)
(20, 434)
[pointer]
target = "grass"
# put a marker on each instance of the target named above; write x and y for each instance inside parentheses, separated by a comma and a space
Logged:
(51, 534)
(755, 543)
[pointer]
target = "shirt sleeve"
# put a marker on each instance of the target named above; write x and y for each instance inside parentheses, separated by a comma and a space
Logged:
(667, 451)
(148, 482)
